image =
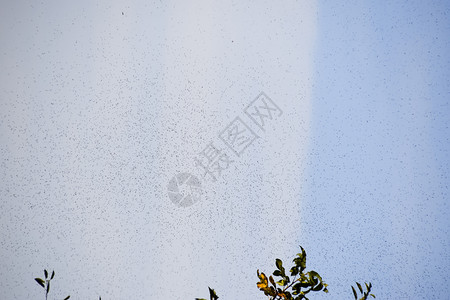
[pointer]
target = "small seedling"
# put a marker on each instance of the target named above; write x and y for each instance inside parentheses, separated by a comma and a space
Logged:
(366, 294)
(212, 295)
(46, 283)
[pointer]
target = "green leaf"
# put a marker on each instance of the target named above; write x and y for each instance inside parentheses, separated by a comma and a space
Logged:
(271, 280)
(359, 287)
(372, 295)
(277, 273)
(279, 264)
(318, 287)
(294, 271)
(46, 274)
(41, 282)
(354, 293)
(48, 286)
(314, 279)
(67, 298)
(282, 282)
(301, 260)
(212, 294)
(297, 287)
(53, 275)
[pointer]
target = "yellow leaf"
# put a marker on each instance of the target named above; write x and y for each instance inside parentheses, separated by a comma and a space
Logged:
(263, 283)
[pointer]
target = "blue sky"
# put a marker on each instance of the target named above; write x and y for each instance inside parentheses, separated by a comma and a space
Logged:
(378, 162)
(103, 103)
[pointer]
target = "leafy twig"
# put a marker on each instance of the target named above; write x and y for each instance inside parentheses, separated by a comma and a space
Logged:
(46, 283)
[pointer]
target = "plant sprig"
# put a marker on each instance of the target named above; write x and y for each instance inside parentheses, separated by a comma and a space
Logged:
(212, 295)
(365, 294)
(46, 283)
(307, 282)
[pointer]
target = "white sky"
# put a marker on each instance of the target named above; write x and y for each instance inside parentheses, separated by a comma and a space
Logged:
(102, 103)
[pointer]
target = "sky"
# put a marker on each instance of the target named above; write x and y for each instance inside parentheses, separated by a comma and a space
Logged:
(328, 124)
